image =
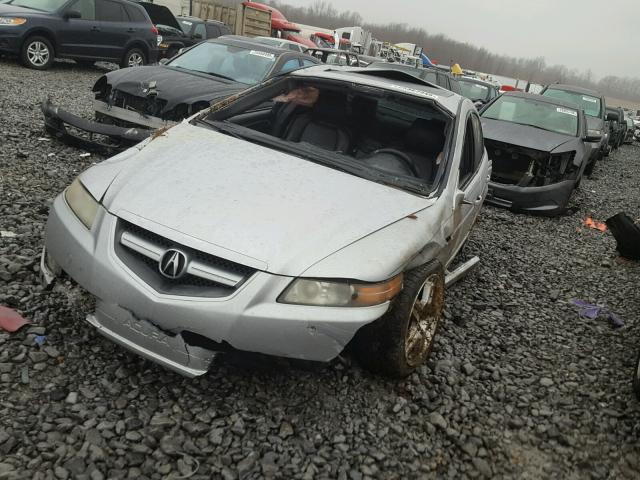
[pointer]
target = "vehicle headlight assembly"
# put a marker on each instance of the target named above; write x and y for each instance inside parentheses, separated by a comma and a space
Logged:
(12, 21)
(81, 203)
(330, 293)
(594, 133)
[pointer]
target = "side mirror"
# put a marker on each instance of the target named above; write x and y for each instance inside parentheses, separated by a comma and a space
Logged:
(72, 14)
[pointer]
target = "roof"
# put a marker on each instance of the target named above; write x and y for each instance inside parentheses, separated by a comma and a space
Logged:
(245, 42)
(366, 76)
(543, 98)
(573, 88)
(198, 19)
(478, 81)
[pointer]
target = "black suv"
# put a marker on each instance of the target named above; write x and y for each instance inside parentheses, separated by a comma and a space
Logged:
(85, 30)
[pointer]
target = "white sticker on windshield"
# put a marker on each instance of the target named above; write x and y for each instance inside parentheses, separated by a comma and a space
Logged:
(590, 99)
(258, 53)
(573, 113)
(184, 22)
(415, 91)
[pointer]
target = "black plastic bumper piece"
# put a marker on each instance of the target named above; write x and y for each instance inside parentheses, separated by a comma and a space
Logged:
(87, 134)
(549, 200)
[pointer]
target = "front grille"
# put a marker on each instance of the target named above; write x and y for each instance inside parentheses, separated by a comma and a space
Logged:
(204, 275)
(151, 105)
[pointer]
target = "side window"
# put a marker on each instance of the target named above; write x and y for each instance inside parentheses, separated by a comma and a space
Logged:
(455, 86)
(293, 47)
(109, 11)
(213, 31)
(478, 141)
(468, 154)
(135, 14)
(442, 81)
(200, 31)
(87, 9)
(290, 65)
(307, 63)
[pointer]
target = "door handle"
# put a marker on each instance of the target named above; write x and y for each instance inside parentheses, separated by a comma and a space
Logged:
(132, 30)
(95, 29)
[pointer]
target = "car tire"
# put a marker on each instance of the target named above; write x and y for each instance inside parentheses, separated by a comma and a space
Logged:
(134, 57)
(401, 340)
(636, 377)
(37, 53)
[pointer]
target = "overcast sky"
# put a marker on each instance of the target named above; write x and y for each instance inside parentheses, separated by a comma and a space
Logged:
(598, 34)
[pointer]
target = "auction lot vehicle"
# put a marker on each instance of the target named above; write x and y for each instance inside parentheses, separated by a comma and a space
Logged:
(594, 106)
(319, 206)
(539, 147)
(331, 56)
(431, 75)
(280, 43)
(478, 91)
(130, 103)
(83, 30)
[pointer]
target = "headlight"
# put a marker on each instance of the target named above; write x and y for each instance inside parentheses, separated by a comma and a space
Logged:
(304, 291)
(81, 203)
(594, 133)
(12, 21)
(163, 46)
(159, 39)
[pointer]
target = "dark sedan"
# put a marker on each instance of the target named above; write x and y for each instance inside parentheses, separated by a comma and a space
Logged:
(539, 147)
(130, 103)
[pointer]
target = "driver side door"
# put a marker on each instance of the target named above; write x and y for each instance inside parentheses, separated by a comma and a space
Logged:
(474, 171)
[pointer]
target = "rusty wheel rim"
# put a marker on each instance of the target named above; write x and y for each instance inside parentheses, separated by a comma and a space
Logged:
(423, 321)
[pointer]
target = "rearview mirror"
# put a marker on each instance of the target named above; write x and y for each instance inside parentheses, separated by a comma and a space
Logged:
(72, 14)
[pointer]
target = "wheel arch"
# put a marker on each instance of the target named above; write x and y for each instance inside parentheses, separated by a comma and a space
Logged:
(40, 31)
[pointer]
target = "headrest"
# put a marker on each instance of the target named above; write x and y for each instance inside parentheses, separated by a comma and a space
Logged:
(331, 105)
(425, 136)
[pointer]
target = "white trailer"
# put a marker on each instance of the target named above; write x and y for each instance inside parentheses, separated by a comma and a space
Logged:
(360, 39)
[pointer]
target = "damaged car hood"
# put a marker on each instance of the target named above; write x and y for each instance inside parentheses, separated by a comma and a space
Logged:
(247, 203)
(523, 135)
(173, 85)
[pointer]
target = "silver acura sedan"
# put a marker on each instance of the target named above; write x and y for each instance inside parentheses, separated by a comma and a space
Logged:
(318, 209)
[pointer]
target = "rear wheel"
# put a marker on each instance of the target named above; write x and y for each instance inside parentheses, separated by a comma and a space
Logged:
(402, 339)
(37, 53)
(134, 57)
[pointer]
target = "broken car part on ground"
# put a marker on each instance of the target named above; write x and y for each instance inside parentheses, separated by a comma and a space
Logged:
(174, 244)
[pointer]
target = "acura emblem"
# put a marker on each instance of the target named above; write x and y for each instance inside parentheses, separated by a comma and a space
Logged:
(173, 264)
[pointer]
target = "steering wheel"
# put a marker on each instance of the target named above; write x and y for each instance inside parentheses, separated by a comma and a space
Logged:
(402, 156)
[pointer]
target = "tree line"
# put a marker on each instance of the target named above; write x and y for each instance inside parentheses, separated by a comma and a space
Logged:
(446, 50)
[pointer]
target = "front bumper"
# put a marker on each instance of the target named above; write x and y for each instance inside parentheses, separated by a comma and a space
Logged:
(159, 326)
(11, 40)
(87, 134)
(548, 200)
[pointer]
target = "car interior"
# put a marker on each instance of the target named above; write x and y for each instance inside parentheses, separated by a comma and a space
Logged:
(392, 133)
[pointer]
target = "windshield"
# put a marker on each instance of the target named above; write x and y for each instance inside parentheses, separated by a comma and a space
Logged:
(384, 137)
(475, 91)
(42, 5)
(235, 63)
(527, 111)
(590, 104)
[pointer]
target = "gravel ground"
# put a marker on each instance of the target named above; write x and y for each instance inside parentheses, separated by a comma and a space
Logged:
(517, 387)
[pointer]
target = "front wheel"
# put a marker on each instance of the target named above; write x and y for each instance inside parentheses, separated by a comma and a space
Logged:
(133, 58)
(37, 53)
(402, 339)
(636, 378)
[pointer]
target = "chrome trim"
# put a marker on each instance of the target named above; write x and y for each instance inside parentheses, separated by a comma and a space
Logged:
(142, 246)
(195, 267)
